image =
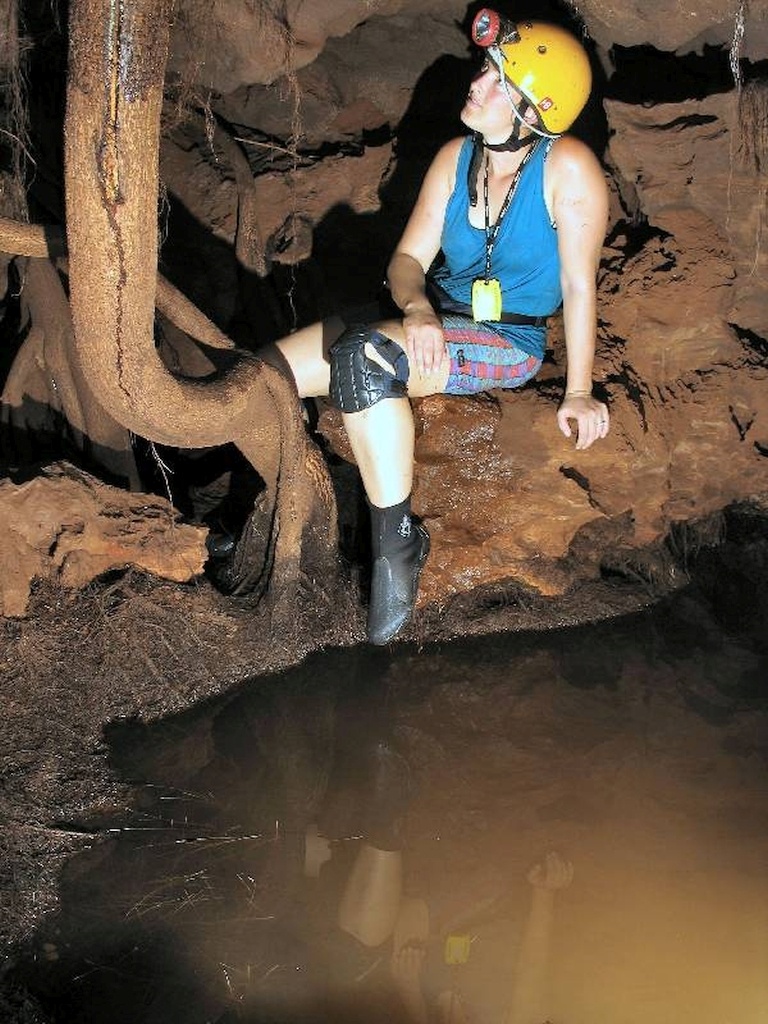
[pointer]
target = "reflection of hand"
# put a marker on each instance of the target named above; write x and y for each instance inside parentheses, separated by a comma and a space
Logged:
(424, 342)
(551, 873)
(406, 967)
(591, 416)
(450, 1008)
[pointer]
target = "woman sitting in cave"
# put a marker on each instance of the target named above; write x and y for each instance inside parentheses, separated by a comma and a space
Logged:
(531, 243)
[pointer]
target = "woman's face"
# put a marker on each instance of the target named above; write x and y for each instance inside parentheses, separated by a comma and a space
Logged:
(487, 108)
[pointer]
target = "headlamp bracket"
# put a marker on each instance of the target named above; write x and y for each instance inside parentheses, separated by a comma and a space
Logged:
(490, 29)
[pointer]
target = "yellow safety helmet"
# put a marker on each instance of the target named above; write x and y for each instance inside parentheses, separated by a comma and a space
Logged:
(544, 62)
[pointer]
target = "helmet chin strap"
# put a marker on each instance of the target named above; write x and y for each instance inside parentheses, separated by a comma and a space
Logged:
(514, 143)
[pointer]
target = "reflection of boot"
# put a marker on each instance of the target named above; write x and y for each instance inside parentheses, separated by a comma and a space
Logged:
(400, 549)
(360, 718)
(317, 851)
(387, 796)
(370, 797)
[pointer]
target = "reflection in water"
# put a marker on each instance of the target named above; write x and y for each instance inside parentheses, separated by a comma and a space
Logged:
(635, 749)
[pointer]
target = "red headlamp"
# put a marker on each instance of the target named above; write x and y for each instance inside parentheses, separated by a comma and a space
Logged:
(489, 29)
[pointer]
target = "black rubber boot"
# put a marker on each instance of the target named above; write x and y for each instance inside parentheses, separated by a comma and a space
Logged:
(220, 545)
(400, 549)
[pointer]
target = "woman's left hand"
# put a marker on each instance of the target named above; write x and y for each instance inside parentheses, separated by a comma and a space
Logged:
(591, 416)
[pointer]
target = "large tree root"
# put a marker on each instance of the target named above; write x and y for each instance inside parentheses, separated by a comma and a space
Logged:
(114, 99)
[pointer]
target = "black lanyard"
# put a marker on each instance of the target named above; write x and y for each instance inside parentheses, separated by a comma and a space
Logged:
(492, 232)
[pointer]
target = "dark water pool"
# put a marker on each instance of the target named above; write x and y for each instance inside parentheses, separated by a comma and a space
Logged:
(635, 748)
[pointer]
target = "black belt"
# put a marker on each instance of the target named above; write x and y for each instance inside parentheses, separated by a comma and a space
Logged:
(519, 318)
(447, 304)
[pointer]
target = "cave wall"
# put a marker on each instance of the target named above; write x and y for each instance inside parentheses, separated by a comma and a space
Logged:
(230, 44)
(342, 112)
(678, 28)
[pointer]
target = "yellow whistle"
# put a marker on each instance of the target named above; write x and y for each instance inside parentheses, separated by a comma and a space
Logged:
(486, 299)
(457, 949)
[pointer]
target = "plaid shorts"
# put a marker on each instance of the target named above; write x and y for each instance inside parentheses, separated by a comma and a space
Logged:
(481, 359)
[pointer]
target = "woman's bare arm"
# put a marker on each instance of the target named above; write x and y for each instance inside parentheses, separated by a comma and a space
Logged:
(413, 256)
(579, 203)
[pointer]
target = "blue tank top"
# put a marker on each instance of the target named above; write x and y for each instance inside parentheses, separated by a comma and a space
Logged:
(525, 256)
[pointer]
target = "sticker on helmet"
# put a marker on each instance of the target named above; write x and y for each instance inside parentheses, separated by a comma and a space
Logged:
(546, 103)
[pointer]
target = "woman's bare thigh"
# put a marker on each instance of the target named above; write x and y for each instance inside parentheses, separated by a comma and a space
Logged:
(306, 352)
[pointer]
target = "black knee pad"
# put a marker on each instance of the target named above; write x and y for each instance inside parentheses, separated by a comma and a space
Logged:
(357, 381)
